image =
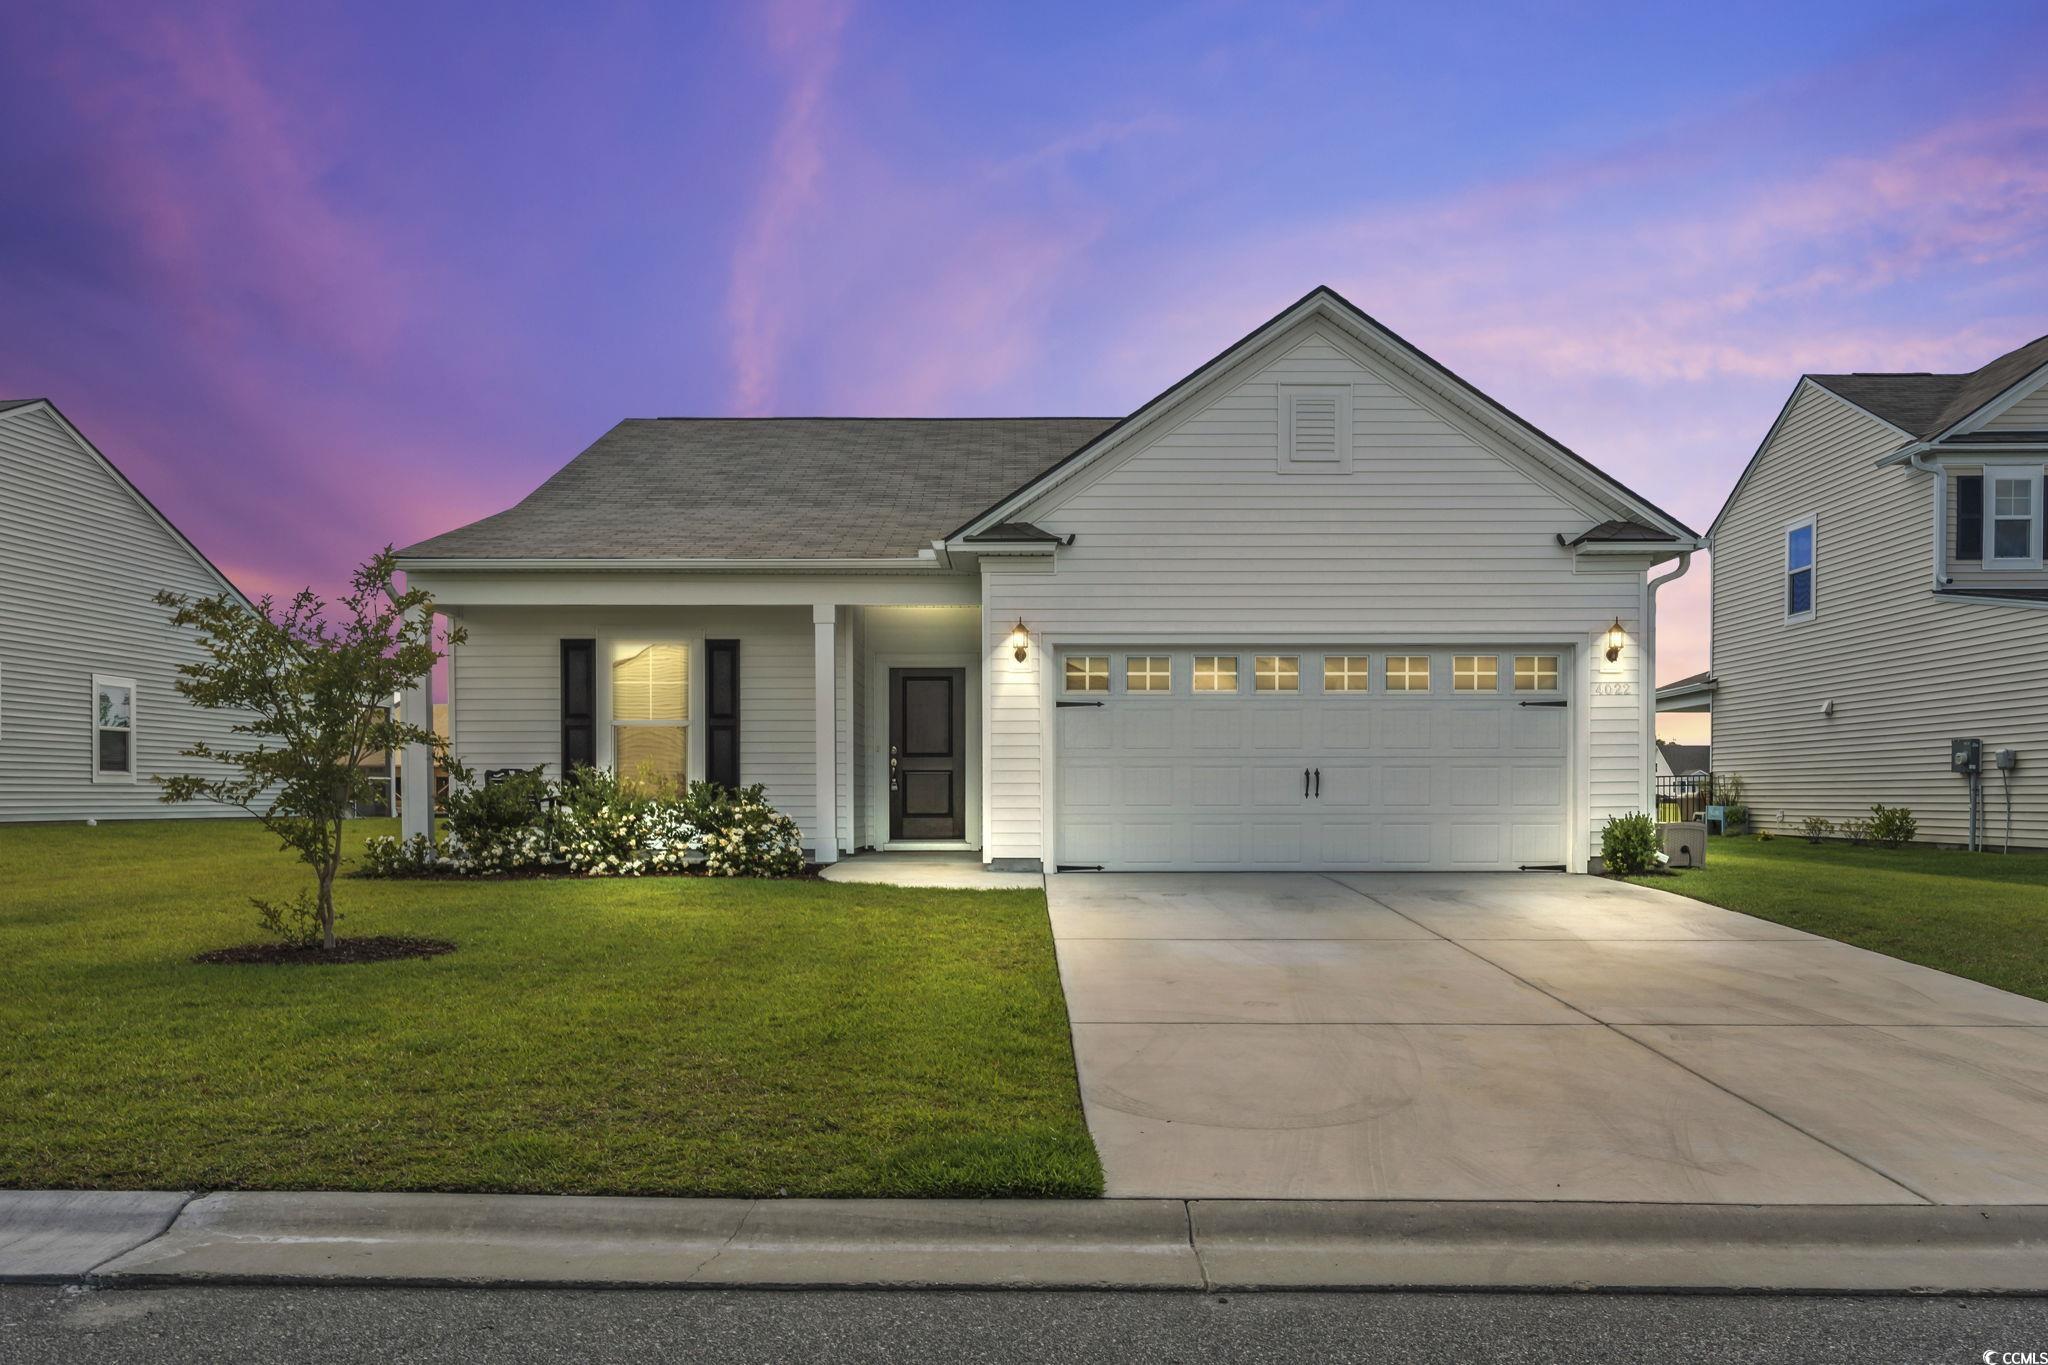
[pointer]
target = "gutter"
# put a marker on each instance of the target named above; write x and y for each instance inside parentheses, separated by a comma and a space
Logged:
(1650, 667)
(924, 562)
(1916, 457)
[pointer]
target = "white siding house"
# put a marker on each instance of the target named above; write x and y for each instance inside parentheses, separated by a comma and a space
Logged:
(1862, 615)
(88, 713)
(1319, 605)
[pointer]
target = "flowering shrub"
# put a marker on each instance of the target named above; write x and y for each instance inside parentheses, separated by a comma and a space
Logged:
(594, 825)
(385, 856)
(742, 835)
(602, 828)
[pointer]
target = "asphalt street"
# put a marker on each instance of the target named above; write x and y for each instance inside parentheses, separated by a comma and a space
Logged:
(173, 1326)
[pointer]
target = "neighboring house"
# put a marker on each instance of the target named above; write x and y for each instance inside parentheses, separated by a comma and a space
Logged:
(88, 713)
(1682, 760)
(1878, 591)
(1321, 604)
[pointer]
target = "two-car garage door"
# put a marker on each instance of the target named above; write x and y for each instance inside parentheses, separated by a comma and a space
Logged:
(1213, 758)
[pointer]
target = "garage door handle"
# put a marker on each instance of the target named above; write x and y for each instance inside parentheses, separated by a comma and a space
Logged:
(1319, 784)
(1304, 784)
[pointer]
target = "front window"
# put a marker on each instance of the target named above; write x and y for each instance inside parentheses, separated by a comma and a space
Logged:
(650, 717)
(1799, 561)
(2012, 516)
(1148, 673)
(1215, 673)
(1087, 673)
(1345, 672)
(1475, 673)
(1407, 673)
(1535, 673)
(113, 704)
(1276, 673)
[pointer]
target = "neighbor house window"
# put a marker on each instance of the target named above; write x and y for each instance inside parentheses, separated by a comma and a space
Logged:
(1276, 673)
(1345, 672)
(1475, 673)
(1087, 673)
(2012, 513)
(1535, 673)
(113, 728)
(1799, 559)
(650, 716)
(1407, 673)
(1148, 673)
(1215, 673)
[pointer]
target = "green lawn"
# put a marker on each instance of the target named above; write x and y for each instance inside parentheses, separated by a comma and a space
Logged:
(1980, 915)
(672, 1036)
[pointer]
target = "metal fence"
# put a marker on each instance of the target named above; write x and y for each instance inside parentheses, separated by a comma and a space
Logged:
(1684, 798)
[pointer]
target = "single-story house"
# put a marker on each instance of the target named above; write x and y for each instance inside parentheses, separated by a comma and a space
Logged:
(89, 710)
(1319, 604)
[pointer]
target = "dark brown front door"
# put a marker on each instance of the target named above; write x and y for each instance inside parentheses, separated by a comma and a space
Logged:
(927, 753)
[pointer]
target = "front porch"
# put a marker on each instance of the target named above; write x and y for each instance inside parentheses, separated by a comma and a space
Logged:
(862, 720)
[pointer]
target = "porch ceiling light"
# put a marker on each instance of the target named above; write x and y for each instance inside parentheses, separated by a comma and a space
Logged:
(1616, 637)
(1020, 641)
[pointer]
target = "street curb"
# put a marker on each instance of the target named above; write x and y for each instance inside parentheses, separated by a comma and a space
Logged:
(59, 1236)
(1154, 1244)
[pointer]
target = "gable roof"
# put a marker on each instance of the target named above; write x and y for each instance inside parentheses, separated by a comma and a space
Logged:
(1327, 301)
(10, 406)
(741, 488)
(1927, 405)
(821, 489)
(1685, 758)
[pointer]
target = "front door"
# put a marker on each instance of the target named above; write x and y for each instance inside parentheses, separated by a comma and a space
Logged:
(927, 753)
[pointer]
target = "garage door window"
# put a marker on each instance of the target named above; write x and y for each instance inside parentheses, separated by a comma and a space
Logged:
(1215, 673)
(1535, 673)
(1475, 673)
(1407, 673)
(1345, 672)
(1148, 673)
(1087, 673)
(1276, 673)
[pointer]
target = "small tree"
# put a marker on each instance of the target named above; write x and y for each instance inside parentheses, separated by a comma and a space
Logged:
(319, 692)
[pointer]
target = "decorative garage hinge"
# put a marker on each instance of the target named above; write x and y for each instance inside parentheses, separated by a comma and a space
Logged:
(1557, 702)
(1077, 703)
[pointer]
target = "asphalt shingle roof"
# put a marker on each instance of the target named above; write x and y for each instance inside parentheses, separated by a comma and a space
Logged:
(1924, 404)
(771, 488)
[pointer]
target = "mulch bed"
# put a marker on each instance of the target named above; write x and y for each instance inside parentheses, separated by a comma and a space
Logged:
(380, 948)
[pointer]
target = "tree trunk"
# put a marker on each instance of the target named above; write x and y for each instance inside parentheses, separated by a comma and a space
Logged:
(327, 904)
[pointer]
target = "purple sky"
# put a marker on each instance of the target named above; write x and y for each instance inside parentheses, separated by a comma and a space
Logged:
(320, 276)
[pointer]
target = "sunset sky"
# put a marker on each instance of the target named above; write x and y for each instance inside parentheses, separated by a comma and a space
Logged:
(321, 276)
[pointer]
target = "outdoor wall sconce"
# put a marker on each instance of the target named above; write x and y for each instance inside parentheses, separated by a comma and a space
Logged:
(1020, 641)
(1615, 637)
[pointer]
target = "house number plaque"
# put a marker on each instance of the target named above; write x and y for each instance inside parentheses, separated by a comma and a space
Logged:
(1614, 689)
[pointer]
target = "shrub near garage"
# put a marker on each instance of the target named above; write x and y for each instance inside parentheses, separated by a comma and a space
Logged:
(1628, 845)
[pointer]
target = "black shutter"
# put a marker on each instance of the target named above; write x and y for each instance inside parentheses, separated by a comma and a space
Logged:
(722, 712)
(579, 705)
(1969, 516)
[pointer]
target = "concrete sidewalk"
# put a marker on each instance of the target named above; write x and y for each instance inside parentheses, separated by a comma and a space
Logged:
(122, 1239)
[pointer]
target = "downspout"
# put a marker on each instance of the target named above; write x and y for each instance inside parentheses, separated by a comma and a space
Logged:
(1650, 679)
(1916, 457)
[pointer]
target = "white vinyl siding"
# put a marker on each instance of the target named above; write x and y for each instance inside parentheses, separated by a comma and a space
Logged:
(1906, 670)
(2028, 414)
(81, 557)
(507, 711)
(1193, 534)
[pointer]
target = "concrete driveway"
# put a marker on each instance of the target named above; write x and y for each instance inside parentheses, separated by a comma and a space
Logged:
(1529, 1037)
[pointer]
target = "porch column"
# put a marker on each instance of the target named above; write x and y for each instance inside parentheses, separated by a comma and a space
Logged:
(416, 707)
(825, 689)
